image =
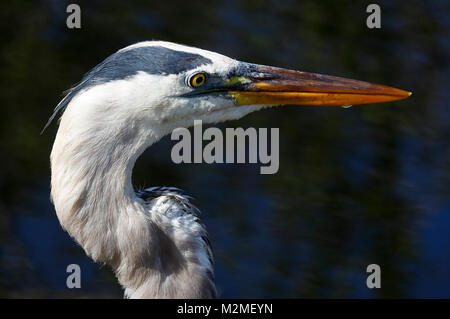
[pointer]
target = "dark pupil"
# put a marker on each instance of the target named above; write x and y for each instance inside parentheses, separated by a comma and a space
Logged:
(198, 80)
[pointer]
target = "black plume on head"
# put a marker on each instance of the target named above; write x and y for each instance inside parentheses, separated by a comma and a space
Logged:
(124, 64)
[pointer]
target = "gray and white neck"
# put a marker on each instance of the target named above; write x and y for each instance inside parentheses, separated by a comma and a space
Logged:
(91, 162)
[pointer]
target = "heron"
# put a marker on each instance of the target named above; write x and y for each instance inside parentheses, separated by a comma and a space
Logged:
(153, 239)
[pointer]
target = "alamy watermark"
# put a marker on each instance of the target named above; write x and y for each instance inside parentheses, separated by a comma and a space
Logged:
(374, 279)
(74, 279)
(373, 21)
(73, 20)
(231, 150)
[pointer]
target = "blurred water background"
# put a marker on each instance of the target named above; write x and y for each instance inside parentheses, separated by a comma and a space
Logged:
(356, 186)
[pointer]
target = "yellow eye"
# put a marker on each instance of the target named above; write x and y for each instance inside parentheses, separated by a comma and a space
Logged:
(197, 80)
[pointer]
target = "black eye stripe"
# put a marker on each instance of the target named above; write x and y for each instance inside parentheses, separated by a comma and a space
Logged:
(123, 64)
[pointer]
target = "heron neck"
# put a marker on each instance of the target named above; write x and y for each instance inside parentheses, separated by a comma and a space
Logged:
(92, 189)
(91, 163)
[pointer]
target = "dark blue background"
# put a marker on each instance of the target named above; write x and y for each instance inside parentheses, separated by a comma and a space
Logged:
(369, 184)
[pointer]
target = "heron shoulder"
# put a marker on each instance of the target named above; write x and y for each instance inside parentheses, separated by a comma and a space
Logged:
(178, 218)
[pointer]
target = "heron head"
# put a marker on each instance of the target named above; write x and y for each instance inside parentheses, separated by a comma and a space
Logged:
(172, 85)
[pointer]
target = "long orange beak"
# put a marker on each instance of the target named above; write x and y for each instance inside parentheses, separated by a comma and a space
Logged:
(257, 84)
